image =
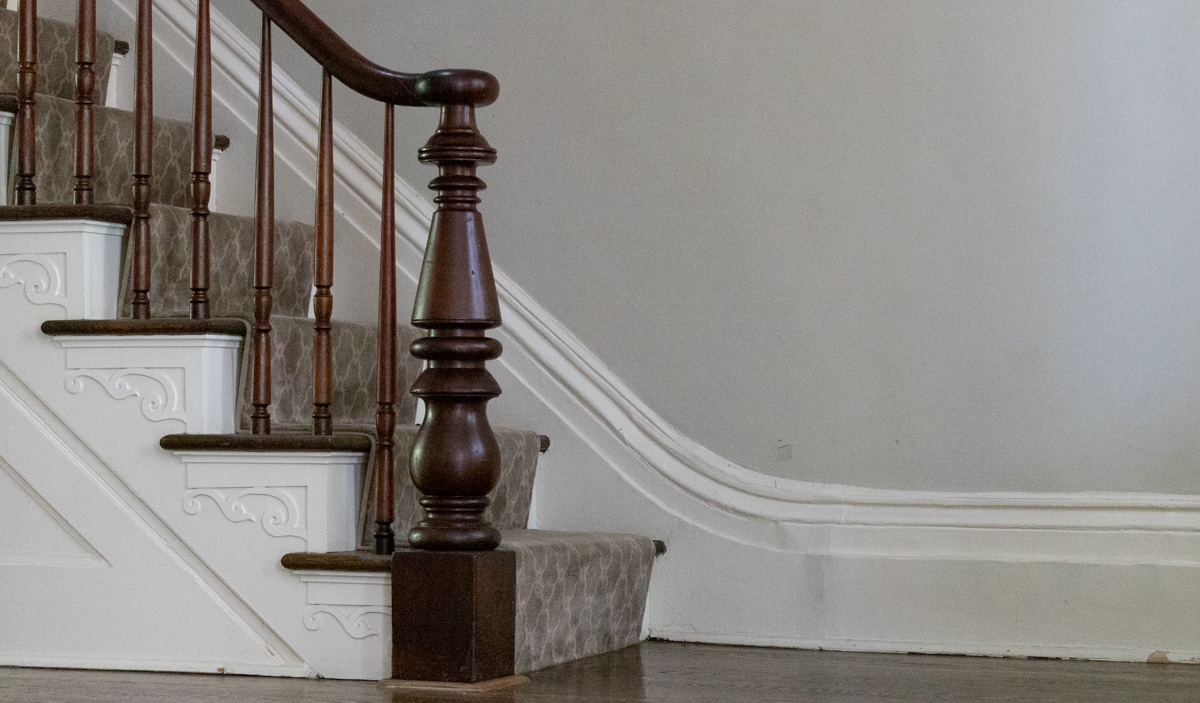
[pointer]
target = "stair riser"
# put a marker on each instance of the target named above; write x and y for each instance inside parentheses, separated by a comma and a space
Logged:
(72, 266)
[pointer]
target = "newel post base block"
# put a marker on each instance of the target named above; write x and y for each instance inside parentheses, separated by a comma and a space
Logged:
(453, 615)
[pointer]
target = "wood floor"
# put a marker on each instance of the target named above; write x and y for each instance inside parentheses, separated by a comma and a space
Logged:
(673, 673)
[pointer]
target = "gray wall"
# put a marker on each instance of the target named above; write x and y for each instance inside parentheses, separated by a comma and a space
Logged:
(904, 244)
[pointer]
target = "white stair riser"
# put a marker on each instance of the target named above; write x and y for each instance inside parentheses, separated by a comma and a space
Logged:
(306, 492)
(192, 378)
(70, 266)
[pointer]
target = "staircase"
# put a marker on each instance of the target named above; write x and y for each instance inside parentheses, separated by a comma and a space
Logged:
(200, 469)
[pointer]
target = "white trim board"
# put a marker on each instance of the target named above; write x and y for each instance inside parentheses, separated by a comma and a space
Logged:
(980, 649)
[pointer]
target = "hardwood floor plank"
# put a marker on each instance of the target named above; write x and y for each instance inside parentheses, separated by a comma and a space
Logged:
(672, 673)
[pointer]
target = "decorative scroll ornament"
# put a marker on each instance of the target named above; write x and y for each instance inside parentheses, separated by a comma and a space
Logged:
(353, 621)
(41, 275)
(161, 397)
(279, 514)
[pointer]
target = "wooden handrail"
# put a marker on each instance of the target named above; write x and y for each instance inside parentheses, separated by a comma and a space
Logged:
(355, 71)
(336, 56)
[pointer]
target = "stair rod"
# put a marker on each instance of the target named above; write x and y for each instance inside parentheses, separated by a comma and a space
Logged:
(26, 191)
(385, 416)
(85, 99)
(323, 278)
(143, 161)
(202, 146)
(264, 240)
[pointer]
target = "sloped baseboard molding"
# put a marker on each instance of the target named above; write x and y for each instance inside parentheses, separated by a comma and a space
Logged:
(962, 537)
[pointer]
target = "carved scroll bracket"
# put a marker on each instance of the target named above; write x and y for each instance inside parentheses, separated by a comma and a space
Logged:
(353, 620)
(160, 390)
(43, 276)
(276, 509)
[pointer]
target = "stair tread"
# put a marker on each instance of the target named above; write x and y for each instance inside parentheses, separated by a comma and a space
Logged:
(356, 561)
(131, 327)
(114, 156)
(56, 57)
(282, 442)
(231, 265)
(355, 373)
(511, 540)
(117, 214)
(578, 593)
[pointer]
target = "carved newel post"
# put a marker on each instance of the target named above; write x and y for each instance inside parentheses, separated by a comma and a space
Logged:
(455, 458)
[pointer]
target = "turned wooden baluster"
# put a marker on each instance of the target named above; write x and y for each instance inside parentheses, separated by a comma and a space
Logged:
(85, 99)
(385, 416)
(455, 457)
(26, 191)
(264, 249)
(202, 145)
(323, 278)
(143, 161)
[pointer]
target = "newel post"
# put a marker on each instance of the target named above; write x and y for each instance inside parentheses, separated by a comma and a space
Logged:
(455, 459)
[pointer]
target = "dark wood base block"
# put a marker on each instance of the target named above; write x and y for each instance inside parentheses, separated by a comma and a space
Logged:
(453, 615)
(463, 688)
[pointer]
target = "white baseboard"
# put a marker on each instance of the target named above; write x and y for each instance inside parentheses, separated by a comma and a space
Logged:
(975, 649)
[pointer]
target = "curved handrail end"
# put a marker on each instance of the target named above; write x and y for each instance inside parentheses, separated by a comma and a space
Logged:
(435, 88)
(457, 86)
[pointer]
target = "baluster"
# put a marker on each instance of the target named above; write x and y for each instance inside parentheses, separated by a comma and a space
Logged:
(385, 416)
(26, 191)
(143, 161)
(85, 98)
(455, 457)
(264, 249)
(202, 146)
(323, 280)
